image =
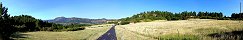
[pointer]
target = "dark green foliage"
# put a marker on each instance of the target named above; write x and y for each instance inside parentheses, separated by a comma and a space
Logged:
(75, 27)
(176, 18)
(112, 22)
(59, 27)
(164, 15)
(149, 16)
(210, 15)
(28, 23)
(237, 16)
(186, 15)
(224, 19)
(6, 28)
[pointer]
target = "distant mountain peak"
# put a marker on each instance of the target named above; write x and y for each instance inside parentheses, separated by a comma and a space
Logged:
(60, 18)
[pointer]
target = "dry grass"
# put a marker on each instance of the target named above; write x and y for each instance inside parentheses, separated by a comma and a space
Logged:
(161, 29)
(156, 29)
(90, 33)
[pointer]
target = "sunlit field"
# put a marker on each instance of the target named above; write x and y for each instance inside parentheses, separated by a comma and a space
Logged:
(90, 33)
(192, 29)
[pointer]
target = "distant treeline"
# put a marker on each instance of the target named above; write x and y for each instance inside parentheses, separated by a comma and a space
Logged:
(237, 16)
(25, 23)
(29, 23)
(165, 15)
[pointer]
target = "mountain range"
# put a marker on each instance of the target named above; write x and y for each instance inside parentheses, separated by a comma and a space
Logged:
(64, 20)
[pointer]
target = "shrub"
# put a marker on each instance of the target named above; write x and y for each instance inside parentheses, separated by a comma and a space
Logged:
(124, 22)
(224, 19)
(147, 20)
(206, 17)
(74, 29)
(114, 22)
(176, 18)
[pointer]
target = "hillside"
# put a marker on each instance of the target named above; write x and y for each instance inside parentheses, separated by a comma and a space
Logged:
(190, 29)
(64, 20)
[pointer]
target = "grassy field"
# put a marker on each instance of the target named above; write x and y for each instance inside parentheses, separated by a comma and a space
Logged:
(90, 33)
(192, 29)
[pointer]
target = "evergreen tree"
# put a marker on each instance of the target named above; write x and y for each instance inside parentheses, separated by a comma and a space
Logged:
(6, 28)
(194, 13)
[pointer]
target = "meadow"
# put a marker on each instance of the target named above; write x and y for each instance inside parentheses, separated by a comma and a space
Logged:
(192, 29)
(90, 33)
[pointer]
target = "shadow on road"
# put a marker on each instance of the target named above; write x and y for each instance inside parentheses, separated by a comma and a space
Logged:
(109, 35)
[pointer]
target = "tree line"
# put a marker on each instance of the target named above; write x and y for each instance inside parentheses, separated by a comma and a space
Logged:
(25, 23)
(29, 23)
(165, 15)
(237, 16)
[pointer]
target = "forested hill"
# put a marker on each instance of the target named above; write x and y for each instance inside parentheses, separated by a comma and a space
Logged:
(165, 15)
(64, 20)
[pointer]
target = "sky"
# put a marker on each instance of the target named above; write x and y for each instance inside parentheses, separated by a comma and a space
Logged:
(113, 9)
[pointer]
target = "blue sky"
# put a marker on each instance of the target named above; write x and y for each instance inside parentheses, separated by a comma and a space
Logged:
(113, 9)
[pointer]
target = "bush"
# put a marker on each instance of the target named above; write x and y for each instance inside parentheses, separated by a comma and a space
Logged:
(114, 22)
(57, 27)
(176, 18)
(124, 22)
(74, 29)
(224, 19)
(46, 29)
(204, 17)
(147, 20)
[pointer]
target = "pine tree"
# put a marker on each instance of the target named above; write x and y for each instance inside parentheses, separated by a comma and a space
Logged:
(6, 28)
